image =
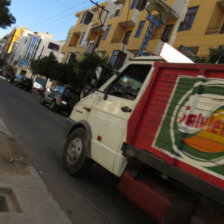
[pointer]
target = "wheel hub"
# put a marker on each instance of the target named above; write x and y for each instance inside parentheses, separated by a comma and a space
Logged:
(74, 150)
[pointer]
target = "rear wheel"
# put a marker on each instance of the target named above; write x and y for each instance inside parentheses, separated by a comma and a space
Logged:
(75, 160)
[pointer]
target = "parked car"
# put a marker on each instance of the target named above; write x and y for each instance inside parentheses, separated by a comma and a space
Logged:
(18, 80)
(39, 85)
(1, 70)
(9, 75)
(23, 82)
(61, 98)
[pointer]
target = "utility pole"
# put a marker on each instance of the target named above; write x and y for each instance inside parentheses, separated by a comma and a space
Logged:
(103, 8)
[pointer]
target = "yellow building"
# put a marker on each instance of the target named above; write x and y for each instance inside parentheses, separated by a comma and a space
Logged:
(122, 29)
(207, 28)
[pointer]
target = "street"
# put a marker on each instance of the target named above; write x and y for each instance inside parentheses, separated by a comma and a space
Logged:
(91, 199)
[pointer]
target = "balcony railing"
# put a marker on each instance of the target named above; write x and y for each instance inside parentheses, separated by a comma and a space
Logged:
(97, 27)
(215, 30)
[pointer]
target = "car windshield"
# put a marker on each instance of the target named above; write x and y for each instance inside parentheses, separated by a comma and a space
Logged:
(20, 77)
(59, 89)
(40, 81)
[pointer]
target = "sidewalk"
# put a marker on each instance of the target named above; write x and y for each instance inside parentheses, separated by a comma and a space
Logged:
(24, 198)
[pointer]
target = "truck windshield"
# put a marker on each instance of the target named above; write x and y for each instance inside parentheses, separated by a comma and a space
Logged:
(128, 84)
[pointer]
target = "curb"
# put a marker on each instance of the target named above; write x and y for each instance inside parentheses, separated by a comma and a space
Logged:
(3, 128)
(42, 187)
(60, 213)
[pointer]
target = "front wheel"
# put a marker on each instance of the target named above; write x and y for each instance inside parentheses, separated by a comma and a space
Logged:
(42, 101)
(53, 106)
(75, 160)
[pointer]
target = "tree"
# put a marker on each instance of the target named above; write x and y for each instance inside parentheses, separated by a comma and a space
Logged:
(216, 55)
(6, 18)
(46, 66)
(34, 67)
(85, 68)
(78, 74)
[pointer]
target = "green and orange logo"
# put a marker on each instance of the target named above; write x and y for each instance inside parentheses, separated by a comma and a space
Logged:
(192, 128)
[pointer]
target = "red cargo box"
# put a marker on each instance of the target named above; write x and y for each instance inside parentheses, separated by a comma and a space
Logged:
(180, 120)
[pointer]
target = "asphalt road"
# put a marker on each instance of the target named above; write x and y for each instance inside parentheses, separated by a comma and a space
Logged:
(93, 199)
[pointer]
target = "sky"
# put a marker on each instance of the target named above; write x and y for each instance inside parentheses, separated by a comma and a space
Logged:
(53, 16)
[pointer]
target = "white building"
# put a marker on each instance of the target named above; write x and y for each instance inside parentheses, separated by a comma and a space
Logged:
(33, 46)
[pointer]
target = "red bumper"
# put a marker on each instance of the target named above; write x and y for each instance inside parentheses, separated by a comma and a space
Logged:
(159, 203)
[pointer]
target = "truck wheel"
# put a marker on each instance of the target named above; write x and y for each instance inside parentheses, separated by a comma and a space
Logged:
(75, 160)
(42, 101)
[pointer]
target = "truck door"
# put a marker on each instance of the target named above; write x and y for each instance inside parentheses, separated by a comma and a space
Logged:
(109, 114)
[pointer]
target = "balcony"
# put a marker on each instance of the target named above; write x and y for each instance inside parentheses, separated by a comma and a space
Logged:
(119, 1)
(215, 30)
(221, 4)
(98, 28)
(166, 12)
(131, 20)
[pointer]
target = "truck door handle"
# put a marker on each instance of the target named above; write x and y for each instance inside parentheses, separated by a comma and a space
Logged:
(126, 109)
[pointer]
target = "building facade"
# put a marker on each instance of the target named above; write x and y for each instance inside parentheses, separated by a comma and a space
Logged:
(122, 29)
(202, 28)
(119, 29)
(33, 46)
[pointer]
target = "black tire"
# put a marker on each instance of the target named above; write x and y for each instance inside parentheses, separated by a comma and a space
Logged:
(53, 106)
(42, 101)
(75, 160)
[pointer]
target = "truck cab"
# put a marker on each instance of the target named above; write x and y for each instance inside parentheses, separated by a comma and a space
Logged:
(104, 115)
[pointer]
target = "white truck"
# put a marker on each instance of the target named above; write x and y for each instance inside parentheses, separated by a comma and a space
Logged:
(160, 128)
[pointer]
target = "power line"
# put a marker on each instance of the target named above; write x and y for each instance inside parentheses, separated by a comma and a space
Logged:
(52, 20)
(62, 3)
(58, 14)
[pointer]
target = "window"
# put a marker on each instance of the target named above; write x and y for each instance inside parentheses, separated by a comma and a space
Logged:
(98, 41)
(130, 81)
(141, 5)
(87, 18)
(189, 51)
(53, 46)
(189, 19)
(117, 12)
(84, 17)
(81, 40)
(134, 4)
(139, 30)
(114, 57)
(106, 32)
(117, 59)
(222, 28)
(59, 89)
(138, 4)
(71, 57)
(126, 37)
(167, 32)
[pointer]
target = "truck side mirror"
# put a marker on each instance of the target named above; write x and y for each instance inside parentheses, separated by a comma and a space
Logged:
(97, 75)
(98, 72)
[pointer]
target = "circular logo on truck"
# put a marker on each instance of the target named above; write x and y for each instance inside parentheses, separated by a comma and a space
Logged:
(197, 123)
